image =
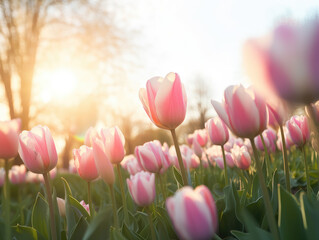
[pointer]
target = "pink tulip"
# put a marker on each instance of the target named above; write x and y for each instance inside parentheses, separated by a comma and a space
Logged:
(217, 130)
(164, 101)
(197, 148)
(299, 130)
(114, 144)
(243, 111)
(288, 63)
(193, 213)
(9, 138)
(241, 157)
(86, 206)
(150, 156)
(90, 134)
(17, 174)
(37, 149)
(2, 176)
(270, 138)
(189, 139)
(131, 164)
(142, 188)
(85, 164)
(102, 162)
(201, 137)
(277, 111)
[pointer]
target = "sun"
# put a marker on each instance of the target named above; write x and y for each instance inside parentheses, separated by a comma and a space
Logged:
(57, 84)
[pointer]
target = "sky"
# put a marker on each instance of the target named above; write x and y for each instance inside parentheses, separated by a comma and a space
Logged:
(203, 38)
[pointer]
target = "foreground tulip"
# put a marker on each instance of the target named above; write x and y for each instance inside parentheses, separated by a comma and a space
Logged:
(106, 172)
(37, 151)
(300, 134)
(243, 111)
(165, 102)
(142, 188)
(85, 164)
(288, 63)
(299, 130)
(193, 213)
(245, 114)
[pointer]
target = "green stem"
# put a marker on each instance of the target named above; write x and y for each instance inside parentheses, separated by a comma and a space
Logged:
(116, 221)
(21, 205)
(126, 219)
(149, 213)
(269, 209)
(49, 196)
(285, 158)
(201, 170)
(90, 201)
(267, 158)
(6, 193)
(225, 166)
(306, 168)
(162, 186)
(179, 157)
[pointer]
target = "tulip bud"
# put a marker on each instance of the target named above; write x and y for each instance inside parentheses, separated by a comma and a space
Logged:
(217, 130)
(142, 188)
(299, 130)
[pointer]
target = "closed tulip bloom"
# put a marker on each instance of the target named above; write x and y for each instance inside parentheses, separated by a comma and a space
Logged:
(17, 174)
(288, 63)
(217, 131)
(131, 164)
(9, 138)
(114, 144)
(142, 188)
(165, 101)
(193, 213)
(150, 156)
(243, 111)
(201, 137)
(85, 164)
(299, 130)
(2, 176)
(197, 148)
(37, 149)
(241, 157)
(102, 162)
(61, 206)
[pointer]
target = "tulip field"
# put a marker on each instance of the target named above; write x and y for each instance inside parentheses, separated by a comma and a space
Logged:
(251, 173)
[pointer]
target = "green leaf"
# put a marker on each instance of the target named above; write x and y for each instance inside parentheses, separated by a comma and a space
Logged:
(290, 219)
(26, 233)
(40, 216)
(70, 217)
(56, 214)
(310, 215)
(128, 233)
(116, 235)
(99, 227)
(79, 229)
(178, 176)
